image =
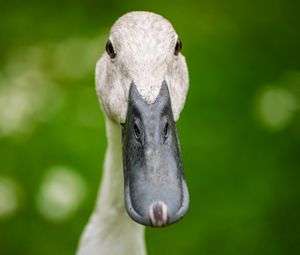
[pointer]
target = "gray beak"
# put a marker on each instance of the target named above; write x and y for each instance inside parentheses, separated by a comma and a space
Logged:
(155, 189)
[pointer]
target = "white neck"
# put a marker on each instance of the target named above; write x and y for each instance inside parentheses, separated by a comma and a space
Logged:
(110, 231)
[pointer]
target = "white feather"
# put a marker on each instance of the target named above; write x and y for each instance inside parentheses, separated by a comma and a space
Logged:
(144, 43)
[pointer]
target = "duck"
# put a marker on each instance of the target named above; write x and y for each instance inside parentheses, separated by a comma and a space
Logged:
(141, 83)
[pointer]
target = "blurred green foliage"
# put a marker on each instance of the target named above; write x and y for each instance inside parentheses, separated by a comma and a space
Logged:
(239, 131)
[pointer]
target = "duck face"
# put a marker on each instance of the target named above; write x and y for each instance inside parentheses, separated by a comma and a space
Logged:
(142, 81)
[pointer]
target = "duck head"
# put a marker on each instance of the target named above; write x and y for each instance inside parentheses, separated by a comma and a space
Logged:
(142, 82)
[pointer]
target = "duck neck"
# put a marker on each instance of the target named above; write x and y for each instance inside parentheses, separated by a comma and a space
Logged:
(110, 231)
(111, 192)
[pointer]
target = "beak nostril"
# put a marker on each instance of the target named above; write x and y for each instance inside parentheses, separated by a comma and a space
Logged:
(158, 214)
(137, 131)
(166, 130)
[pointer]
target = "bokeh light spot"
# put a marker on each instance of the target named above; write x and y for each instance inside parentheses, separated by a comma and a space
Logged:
(8, 198)
(61, 193)
(26, 97)
(275, 107)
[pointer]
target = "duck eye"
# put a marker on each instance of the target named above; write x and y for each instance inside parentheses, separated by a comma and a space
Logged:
(110, 49)
(178, 47)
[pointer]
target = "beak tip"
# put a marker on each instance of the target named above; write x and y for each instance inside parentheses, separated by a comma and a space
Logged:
(158, 214)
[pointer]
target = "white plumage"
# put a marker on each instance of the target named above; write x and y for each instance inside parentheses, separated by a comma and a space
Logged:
(144, 43)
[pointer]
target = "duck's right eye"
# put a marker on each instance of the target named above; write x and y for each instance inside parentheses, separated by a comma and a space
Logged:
(110, 49)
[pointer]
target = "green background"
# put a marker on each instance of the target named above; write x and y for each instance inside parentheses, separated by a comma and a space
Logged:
(239, 131)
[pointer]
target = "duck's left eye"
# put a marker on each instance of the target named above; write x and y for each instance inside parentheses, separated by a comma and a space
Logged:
(110, 49)
(178, 47)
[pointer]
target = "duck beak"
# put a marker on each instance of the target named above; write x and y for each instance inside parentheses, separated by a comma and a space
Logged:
(156, 193)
